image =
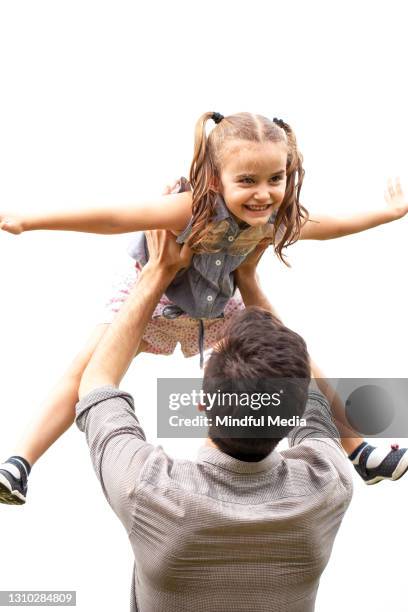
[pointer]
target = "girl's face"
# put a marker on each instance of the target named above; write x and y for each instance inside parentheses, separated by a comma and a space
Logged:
(253, 179)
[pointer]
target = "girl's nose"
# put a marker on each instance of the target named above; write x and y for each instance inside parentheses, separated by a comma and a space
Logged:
(262, 196)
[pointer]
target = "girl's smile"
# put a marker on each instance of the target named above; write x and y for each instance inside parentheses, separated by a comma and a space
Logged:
(253, 179)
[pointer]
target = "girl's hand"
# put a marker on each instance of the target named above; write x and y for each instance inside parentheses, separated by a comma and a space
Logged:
(396, 199)
(16, 224)
(12, 224)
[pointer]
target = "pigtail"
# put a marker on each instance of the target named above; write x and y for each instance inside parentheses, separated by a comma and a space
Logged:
(291, 214)
(202, 174)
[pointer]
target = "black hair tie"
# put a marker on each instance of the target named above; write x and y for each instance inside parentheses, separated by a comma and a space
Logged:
(217, 117)
(279, 122)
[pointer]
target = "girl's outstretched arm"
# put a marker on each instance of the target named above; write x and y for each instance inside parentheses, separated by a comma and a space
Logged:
(171, 212)
(321, 227)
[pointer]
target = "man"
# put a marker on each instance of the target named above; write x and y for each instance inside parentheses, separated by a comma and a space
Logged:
(244, 527)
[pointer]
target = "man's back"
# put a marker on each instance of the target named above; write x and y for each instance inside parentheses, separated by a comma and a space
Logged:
(221, 534)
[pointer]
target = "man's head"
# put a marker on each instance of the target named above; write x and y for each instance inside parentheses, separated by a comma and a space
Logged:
(255, 355)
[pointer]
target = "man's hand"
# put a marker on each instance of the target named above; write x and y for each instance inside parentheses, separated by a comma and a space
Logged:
(173, 188)
(165, 253)
(247, 280)
(120, 342)
(249, 265)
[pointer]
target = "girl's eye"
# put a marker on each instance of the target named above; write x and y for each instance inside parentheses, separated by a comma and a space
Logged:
(247, 180)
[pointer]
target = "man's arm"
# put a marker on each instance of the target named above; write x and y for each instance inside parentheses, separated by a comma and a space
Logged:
(106, 414)
(248, 282)
(120, 342)
(322, 227)
(115, 351)
(252, 295)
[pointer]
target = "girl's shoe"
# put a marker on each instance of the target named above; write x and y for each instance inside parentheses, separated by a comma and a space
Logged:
(374, 464)
(13, 481)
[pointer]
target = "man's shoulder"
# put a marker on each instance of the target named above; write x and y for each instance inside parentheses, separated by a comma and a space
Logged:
(162, 469)
(320, 463)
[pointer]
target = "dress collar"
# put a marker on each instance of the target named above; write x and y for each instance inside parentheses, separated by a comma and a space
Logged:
(209, 454)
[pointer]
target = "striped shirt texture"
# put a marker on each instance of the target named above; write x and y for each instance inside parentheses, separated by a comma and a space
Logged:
(218, 534)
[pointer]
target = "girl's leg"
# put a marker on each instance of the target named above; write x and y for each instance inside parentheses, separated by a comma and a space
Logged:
(56, 417)
(372, 463)
(350, 440)
(58, 412)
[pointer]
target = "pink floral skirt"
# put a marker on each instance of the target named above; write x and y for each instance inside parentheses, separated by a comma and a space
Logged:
(162, 334)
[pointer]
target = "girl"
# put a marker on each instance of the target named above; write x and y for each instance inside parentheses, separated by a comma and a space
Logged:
(246, 178)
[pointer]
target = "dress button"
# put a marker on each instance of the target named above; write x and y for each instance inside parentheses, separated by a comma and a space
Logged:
(209, 298)
(230, 238)
(218, 262)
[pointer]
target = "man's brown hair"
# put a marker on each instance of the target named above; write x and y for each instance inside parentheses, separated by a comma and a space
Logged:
(258, 355)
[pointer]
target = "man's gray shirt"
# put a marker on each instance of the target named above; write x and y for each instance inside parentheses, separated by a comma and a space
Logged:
(219, 534)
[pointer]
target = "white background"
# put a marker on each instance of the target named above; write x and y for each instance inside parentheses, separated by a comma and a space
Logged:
(98, 104)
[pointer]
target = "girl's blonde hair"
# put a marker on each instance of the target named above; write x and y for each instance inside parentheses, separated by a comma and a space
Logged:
(206, 166)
